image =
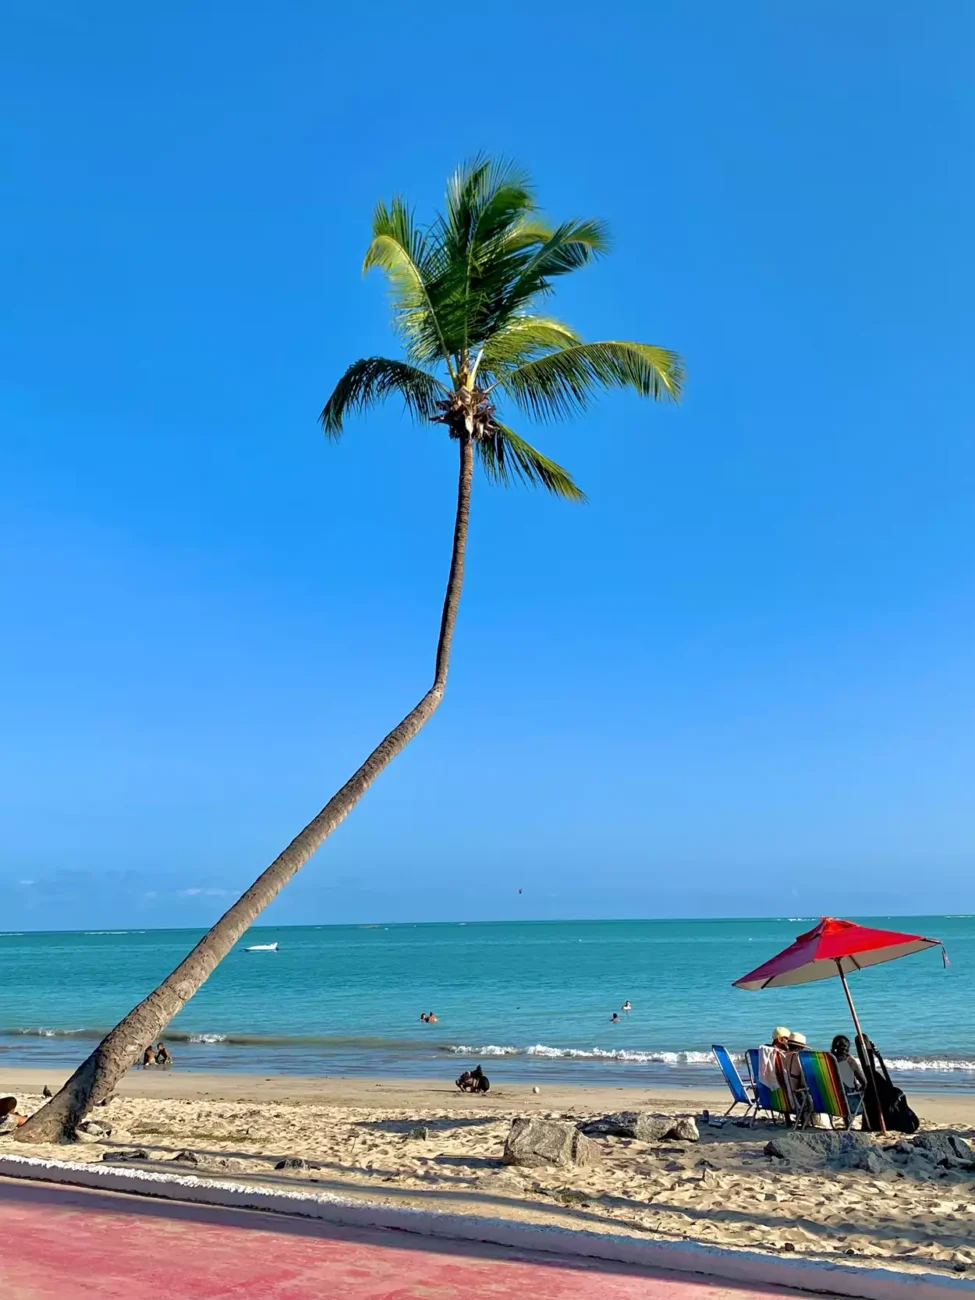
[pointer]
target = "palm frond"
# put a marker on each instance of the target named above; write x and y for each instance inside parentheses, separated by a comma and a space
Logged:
(506, 457)
(411, 263)
(521, 339)
(569, 247)
(557, 385)
(526, 261)
(373, 379)
(485, 202)
(484, 199)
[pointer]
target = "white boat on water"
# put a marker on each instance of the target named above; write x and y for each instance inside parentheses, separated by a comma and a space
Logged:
(262, 947)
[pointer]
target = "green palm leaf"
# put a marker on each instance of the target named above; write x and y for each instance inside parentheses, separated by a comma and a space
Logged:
(523, 264)
(485, 203)
(565, 381)
(506, 457)
(412, 263)
(521, 339)
(372, 380)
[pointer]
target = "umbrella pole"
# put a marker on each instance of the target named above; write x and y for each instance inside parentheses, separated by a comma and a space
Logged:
(862, 1049)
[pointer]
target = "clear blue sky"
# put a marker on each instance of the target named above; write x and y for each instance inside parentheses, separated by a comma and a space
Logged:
(739, 681)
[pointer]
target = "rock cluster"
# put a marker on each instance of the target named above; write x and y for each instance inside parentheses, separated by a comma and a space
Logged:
(924, 1155)
(644, 1126)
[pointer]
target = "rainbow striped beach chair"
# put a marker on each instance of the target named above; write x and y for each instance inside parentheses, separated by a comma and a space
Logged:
(772, 1100)
(825, 1094)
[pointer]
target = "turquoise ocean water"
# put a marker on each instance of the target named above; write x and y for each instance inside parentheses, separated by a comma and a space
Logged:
(532, 1001)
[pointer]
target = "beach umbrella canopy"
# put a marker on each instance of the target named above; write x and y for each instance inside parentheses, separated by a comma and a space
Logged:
(833, 947)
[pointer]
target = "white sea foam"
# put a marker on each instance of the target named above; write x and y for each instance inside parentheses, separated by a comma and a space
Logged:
(207, 1038)
(900, 1065)
(585, 1053)
(944, 1065)
(38, 1031)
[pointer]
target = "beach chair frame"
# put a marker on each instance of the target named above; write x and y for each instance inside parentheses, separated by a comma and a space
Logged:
(824, 1092)
(743, 1093)
(774, 1102)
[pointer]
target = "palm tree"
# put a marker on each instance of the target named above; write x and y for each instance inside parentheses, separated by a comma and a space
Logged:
(467, 293)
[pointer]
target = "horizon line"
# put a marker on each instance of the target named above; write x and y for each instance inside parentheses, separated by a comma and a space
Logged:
(569, 920)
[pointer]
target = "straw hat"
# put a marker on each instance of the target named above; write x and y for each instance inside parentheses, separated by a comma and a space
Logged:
(798, 1039)
(780, 1031)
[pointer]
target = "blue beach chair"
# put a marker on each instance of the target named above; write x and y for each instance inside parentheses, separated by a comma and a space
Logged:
(739, 1088)
(772, 1100)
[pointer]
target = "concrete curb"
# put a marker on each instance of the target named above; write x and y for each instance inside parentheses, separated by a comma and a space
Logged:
(678, 1257)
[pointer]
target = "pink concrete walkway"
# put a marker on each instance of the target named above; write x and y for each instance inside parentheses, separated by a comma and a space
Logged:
(68, 1243)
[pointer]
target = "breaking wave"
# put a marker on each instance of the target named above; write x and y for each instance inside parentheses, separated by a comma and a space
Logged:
(586, 1054)
(899, 1064)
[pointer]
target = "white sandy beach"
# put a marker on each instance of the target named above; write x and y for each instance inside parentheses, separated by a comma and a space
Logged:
(722, 1190)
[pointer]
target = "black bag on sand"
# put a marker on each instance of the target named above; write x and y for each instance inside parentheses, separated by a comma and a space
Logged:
(894, 1107)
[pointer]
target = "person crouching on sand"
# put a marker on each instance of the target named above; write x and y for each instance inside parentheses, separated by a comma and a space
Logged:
(9, 1116)
(473, 1081)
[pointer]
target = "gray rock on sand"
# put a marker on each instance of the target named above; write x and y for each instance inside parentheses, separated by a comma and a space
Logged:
(815, 1146)
(419, 1133)
(537, 1142)
(118, 1157)
(844, 1150)
(685, 1130)
(644, 1126)
(186, 1158)
(945, 1148)
(293, 1162)
(93, 1130)
(871, 1161)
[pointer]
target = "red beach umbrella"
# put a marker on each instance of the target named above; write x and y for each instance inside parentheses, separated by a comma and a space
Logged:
(835, 947)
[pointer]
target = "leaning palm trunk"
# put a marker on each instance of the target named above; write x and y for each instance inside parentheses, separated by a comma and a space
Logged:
(97, 1077)
(465, 296)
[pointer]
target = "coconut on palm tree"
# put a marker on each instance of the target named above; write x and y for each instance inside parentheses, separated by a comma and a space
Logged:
(468, 296)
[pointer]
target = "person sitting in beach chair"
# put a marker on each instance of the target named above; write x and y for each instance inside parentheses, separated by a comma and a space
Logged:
(770, 1096)
(779, 1071)
(826, 1096)
(793, 1079)
(847, 1066)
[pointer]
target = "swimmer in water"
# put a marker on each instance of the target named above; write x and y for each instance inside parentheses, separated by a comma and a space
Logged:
(626, 1005)
(615, 1018)
(432, 1019)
